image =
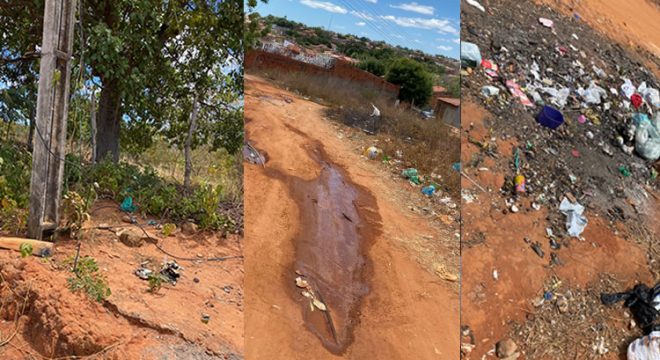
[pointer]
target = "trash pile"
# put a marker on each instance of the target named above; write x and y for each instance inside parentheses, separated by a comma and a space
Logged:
(579, 105)
(584, 121)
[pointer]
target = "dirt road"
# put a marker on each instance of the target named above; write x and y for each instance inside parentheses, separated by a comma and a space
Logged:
(318, 210)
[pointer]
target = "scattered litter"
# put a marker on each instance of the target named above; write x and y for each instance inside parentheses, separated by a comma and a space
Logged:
(476, 4)
(372, 152)
(647, 136)
(411, 175)
(376, 112)
(546, 22)
(537, 249)
(575, 221)
(470, 55)
(489, 91)
(550, 117)
(143, 273)
(428, 190)
(514, 88)
(206, 318)
(645, 348)
(171, 271)
(628, 89)
(127, 205)
(624, 171)
(519, 183)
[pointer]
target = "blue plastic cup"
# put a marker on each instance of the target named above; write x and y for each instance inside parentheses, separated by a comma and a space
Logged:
(550, 117)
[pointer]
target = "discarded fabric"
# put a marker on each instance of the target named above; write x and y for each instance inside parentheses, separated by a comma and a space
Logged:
(575, 221)
(643, 302)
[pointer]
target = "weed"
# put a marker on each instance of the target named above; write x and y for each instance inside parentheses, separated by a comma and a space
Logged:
(88, 279)
(168, 229)
(25, 249)
(155, 283)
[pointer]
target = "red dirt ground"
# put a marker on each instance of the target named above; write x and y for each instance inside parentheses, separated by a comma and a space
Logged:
(409, 313)
(132, 323)
(489, 306)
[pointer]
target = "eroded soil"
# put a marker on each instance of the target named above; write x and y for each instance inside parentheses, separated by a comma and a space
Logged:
(50, 321)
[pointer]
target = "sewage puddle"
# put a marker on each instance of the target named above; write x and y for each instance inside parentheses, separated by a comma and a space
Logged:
(338, 223)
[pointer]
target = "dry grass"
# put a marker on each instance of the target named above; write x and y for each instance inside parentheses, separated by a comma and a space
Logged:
(579, 332)
(427, 145)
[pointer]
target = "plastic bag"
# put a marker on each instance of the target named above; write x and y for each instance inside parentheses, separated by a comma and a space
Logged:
(592, 94)
(559, 97)
(575, 221)
(628, 88)
(650, 95)
(647, 136)
(645, 348)
(470, 54)
(642, 302)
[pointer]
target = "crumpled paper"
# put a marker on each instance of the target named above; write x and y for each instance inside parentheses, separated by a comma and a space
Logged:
(575, 221)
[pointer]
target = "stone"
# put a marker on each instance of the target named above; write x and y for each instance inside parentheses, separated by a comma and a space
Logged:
(132, 238)
(189, 228)
(505, 348)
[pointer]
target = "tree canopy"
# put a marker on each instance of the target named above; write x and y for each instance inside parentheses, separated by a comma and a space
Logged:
(149, 60)
(416, 83)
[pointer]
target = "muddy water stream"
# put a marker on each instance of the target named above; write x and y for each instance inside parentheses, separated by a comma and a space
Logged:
(338, 222)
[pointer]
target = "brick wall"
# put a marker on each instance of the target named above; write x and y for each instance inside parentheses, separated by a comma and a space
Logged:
(340, 69)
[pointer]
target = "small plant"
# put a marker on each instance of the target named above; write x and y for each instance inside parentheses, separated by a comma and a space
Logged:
(25, 249)
(168, 229)
(74, 209)
(88, 279)
(155, 283)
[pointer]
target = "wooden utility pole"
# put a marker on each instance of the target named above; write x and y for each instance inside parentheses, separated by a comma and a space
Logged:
(188, 145)
(52, 108)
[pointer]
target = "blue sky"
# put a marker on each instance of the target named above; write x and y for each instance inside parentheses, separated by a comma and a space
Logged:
(430, 26)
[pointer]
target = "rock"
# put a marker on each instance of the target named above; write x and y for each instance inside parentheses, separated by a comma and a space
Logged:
(127, 219)
(189, 228)
(132, 238)
(505, 348)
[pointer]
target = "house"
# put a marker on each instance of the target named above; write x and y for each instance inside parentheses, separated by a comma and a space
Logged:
(438, 91)
(448, 109)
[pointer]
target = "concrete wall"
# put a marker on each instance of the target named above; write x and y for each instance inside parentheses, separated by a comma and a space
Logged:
(340, 69)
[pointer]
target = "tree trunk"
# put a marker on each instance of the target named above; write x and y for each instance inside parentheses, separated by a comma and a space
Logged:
(187, 149)
(92, 122)
(108, 122)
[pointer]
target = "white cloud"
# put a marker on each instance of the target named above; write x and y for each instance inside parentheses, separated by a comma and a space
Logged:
(415, 7)
(361, 23)
(439, 25)
(324, 5)
(372, 1)
(456, 41)
(444, 48)
(362, 15)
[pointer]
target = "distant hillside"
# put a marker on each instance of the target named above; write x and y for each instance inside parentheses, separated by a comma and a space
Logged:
(373, 56)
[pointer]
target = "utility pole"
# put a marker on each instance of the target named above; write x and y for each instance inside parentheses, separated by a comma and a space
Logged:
(52, 108)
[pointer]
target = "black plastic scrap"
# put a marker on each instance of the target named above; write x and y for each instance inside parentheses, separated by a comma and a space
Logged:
(640, 301)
